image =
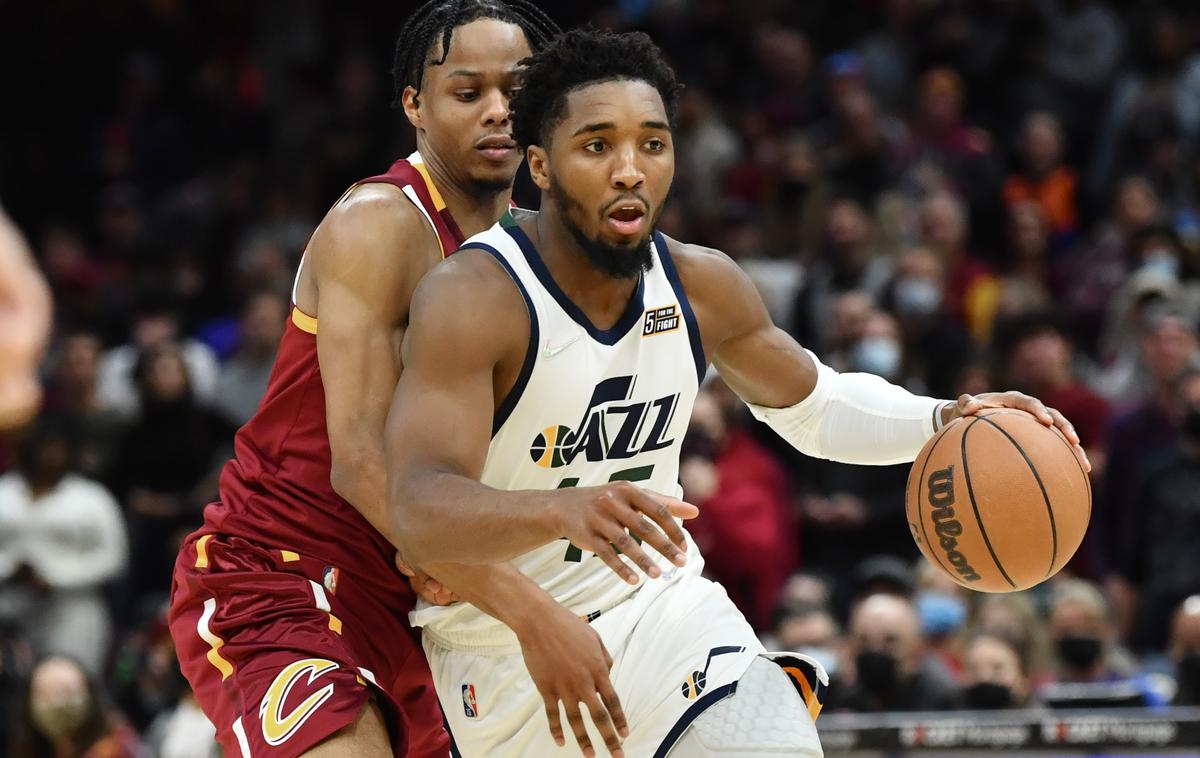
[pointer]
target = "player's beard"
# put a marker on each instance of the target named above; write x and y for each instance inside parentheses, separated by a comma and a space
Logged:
(618, 261)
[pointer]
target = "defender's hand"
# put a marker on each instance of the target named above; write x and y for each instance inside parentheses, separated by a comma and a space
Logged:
(427, 588)
(596, 519)
(969, 405)
(568, 663)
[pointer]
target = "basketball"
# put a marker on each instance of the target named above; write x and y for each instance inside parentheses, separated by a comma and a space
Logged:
(998, 501)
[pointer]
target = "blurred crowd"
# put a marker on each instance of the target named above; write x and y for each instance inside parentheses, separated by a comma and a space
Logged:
(956, 195)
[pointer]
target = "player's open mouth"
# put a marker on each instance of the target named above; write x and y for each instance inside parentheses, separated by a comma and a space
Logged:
(498, 148)
(626, 219)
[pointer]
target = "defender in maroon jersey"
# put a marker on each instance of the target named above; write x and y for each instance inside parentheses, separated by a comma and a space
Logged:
(288, 613)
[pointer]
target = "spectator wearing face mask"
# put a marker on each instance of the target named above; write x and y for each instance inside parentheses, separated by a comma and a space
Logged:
(886, 667)
(995, 676)
(879, 349)
(65, 716)
(942, 607)
(937, 347)
(1161, 557)
(1090, 668)
(1185, 651)
(810, 630)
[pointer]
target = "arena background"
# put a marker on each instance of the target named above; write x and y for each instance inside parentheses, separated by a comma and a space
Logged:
(954, 195)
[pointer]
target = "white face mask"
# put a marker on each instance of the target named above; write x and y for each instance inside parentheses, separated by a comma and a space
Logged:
(826, 656)
(880, 356)
(1162, 260)
(917, 296)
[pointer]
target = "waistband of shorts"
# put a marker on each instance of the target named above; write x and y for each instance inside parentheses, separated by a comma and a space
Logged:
(498, 639)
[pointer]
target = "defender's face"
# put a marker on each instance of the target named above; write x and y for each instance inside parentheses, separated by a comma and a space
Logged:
(462, 107)
(612, 155)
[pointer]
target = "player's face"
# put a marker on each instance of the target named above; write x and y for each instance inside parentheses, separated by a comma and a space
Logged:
(462, 108)
(609, 167)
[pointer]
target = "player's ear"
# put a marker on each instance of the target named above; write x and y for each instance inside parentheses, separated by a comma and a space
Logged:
(539, 169)
(411, 106)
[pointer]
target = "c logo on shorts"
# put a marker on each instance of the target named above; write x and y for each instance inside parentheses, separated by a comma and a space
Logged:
(276, 727)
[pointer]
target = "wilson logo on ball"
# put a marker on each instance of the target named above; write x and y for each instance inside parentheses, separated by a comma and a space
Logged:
(948, 528)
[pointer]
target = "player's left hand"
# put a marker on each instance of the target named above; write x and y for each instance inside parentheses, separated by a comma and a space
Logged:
(427, 588)
(969, 405)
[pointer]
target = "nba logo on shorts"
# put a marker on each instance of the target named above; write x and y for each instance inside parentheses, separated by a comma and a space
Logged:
(330, 579)
(469, 706)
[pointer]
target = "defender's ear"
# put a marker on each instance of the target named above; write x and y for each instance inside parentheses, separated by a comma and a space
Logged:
(412, 106)
(539, 166)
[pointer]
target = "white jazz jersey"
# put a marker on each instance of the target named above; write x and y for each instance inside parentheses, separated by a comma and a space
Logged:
(589, 407)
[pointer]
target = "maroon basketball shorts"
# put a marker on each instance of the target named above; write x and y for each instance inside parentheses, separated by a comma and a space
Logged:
(283, 651)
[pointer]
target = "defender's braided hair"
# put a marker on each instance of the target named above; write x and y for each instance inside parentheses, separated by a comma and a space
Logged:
(439, 18)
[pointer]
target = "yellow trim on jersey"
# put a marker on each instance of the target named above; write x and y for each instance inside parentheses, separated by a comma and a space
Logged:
(335, 624)
(215, 643)
(436, 196)
(289, 556)
(303, 321)
(202, 551)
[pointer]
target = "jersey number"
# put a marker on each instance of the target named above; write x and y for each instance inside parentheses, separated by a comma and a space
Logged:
(639, 474)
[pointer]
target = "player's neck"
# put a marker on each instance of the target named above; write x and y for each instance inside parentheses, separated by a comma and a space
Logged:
(473, 210)
(600, 295)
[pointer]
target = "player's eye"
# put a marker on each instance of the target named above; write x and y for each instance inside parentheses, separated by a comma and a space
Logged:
(466, 95)
(595, 146)
(656, 145)
(513, 92)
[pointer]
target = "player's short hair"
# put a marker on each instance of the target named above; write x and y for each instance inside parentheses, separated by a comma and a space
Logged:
(576, 59)
(437, 19)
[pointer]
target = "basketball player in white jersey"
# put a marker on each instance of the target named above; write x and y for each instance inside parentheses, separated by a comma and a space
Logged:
(554, 360)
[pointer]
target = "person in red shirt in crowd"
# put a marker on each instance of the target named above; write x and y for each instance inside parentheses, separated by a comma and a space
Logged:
(1039, 355)
(745, 527)
(1044, 178)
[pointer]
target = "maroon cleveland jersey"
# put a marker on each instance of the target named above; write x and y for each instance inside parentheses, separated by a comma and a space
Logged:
(276, 490)
(287, 610)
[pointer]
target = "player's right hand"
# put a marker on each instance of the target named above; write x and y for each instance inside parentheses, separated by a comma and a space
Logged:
(601, 520)
(569, 664)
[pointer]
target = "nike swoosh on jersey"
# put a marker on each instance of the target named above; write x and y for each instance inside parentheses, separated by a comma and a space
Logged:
(550, 352)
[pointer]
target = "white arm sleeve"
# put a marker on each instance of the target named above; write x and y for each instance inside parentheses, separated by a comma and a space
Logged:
(855, 418)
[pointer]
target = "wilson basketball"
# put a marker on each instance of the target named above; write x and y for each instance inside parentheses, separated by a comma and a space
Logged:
(998, 501)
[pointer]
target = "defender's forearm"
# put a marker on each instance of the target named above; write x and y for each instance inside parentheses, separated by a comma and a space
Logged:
(439, 517)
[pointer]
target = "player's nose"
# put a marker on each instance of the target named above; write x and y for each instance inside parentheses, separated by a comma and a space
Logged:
(495, 108)
(627, 173)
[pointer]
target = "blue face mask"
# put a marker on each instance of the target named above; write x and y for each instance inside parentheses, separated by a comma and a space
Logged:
(940, 613)
(880, 356)
(825, 656)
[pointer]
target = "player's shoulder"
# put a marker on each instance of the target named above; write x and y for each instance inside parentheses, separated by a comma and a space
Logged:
(373, 221)
(702, 269)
